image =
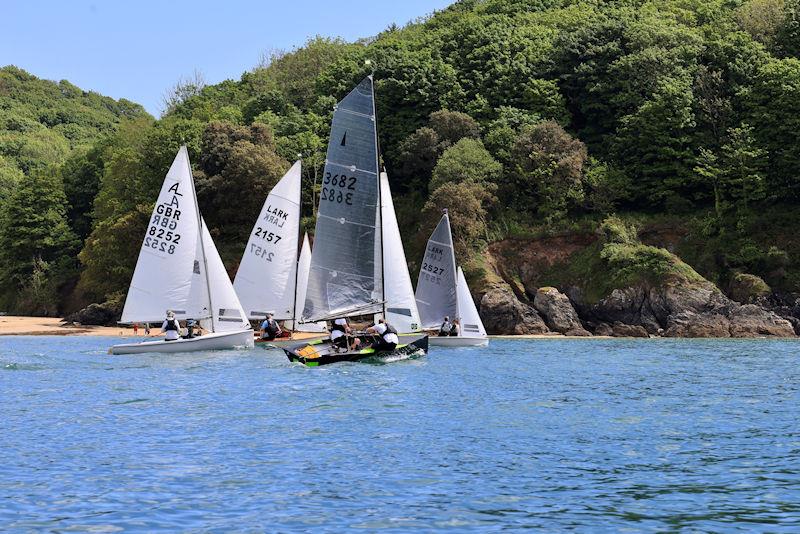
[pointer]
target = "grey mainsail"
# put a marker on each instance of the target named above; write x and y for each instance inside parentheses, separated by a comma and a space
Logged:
(436, 287)
(344, 278)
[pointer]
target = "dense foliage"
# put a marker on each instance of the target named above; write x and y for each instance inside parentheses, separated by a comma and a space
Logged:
(519, 116)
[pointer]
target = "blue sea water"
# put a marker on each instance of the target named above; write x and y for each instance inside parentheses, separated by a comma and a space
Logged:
(588, 435)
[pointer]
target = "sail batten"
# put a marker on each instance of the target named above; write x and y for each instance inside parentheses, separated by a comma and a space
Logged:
(343, 275)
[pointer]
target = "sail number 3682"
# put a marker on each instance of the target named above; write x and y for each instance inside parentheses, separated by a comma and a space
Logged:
(343, 183)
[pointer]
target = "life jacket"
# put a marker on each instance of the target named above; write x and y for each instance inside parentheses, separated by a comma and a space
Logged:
(339, 327)
(272, 327)
(390, 329)
(172, 324)
(446, 327)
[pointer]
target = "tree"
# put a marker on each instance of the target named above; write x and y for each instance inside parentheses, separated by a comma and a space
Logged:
(466, 161)
(547, 171)
(34, 231)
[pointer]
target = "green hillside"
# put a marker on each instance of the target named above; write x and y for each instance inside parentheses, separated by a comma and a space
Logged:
(523, 117)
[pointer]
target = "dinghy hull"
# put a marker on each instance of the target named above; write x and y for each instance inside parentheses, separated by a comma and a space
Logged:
(458, 341)
(215, 341)
(322, 352)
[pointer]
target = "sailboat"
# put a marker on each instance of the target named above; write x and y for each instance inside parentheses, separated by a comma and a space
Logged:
(180, 269)
(271, 278)
(442, 291)
(348, 275)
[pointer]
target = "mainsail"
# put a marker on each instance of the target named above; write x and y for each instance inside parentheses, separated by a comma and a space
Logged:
(401, 307)
(179, 268)
(436, 287)
(342, 278)
(471, 324)
(166, 271)
(265, 281)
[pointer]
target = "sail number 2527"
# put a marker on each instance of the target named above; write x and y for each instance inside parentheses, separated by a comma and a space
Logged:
(338, 188)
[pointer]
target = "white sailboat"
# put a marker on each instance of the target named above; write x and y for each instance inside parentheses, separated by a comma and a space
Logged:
(180, 269)
(357, 261)
(270, 277)
(442, 291)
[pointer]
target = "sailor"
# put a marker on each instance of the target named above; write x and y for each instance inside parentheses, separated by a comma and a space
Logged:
(446, 327)
(171, 327)
(340, 333)
(270, 328)
(455, 327)
(190, 324)
(387, 336)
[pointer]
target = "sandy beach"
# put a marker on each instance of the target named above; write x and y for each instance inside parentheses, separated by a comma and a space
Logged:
(13, 325)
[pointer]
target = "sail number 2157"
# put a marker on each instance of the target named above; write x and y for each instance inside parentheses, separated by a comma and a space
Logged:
(340, 187)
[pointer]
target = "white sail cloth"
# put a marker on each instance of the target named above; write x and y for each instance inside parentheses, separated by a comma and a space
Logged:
(166, 275)
(303, 266)
(265, 281)
(401, 306)
(471, 324)
(170, 273)
(436, 286)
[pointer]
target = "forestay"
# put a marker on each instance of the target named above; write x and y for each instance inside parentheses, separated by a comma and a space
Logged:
(342, 278)
(436, 287)
(471, 324)
(165, 271)
(401, 306)
(265, 281)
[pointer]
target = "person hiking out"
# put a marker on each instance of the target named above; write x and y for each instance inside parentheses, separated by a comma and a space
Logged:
(387, 336)
(340, 335)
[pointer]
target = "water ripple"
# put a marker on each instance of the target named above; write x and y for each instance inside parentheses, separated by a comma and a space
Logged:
(606, 435)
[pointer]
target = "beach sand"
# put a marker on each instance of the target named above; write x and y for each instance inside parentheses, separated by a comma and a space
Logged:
(14, 325)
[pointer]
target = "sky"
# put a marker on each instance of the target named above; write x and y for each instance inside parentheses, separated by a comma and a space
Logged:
(139, 49)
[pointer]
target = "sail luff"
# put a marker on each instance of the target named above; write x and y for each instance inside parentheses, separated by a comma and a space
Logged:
(343, 278)
(202, 245)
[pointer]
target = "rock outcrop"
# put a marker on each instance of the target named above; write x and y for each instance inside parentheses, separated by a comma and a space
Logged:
(684, 310)
(558, 313)
(503, 313)
(95, 315)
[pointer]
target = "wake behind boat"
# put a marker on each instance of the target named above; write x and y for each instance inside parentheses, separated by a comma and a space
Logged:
(180, 269)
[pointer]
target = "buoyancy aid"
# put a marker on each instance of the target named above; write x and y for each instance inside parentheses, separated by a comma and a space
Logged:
(172, 324)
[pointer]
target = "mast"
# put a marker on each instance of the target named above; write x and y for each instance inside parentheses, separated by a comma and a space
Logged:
(455, 273)
(200, 223)
(380, 193)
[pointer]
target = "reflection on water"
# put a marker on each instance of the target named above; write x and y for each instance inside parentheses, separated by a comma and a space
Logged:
(554, 434)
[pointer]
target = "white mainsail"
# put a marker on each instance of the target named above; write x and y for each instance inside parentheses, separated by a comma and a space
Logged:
(436, 286)
(165, 277)
(303, 266)
(401, 306)
(471, 324)
(265, 281)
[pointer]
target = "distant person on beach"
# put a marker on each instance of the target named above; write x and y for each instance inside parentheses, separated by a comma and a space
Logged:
(147, 329)
(135, 329)
(171, 327)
